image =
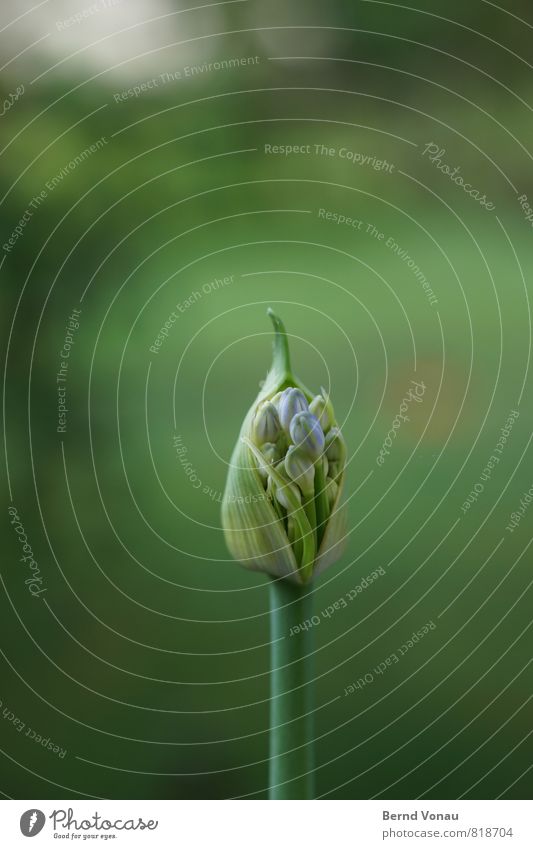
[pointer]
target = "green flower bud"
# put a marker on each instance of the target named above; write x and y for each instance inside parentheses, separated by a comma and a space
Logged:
(287, 494)
(335, 451)
(334, 469)
(322, 409)
(335, 446)
(271, 455)
(266, 426)
(307, 434)
(280, 513)
(301, 470)
(332, 489)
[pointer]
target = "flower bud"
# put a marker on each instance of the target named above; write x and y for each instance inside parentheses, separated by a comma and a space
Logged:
(307, 434)
(265, 426)
(301, 470)
(323, 410)
(286, 493)
(334, 469)
(331, 488)
(291, 402)
(282, 512)
(271, 455)
(335, 446)
(335, 450)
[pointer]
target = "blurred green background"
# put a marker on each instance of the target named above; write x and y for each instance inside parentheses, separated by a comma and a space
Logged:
(146, 659)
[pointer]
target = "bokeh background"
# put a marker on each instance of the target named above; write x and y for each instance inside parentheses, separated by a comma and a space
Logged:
(145, 657)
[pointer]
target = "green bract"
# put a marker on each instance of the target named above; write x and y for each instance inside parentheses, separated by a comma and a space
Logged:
(282, 512)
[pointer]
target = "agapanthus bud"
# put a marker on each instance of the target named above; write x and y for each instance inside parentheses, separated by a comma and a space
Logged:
(291, 402)
(271, 455)
(281, 514)
(335, 446)
(286, 493)
(331, 488)
(323, 411)
(266, 426)
(300, 469)
(306, 432)
(335, 452)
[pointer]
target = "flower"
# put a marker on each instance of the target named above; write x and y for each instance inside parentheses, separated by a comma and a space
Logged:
(282, 510)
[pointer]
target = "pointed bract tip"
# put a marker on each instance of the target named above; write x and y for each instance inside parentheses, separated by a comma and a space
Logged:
(281, 361)
(276, 320)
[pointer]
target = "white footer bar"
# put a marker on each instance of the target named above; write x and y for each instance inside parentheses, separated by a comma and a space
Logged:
(268, 825)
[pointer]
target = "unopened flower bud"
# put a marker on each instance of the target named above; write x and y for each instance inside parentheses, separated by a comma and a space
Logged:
(271, 455)
(307, 434)
(292, 401)
(332, 489)
(287, 494)
(323, 411)
(300, 469)
(335, 446)
(265, 426)
(300, 527)
(334, 469)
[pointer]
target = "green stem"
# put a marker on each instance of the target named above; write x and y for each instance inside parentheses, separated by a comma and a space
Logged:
(291, 726)
(308, 503)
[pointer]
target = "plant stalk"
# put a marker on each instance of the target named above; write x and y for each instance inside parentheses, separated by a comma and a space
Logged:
(291, 707)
